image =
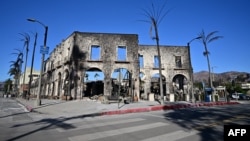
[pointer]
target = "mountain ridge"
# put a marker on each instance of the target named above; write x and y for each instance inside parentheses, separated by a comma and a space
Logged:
(222, 77)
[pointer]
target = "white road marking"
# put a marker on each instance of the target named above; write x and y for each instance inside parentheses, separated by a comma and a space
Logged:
(173, 136)
(99, 135)
(85, 126)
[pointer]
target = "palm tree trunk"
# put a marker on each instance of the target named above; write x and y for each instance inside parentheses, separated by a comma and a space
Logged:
(24, 72)
(209, 72)
(159, 58)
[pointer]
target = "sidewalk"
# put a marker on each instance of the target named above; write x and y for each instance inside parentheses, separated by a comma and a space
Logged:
(95, 108)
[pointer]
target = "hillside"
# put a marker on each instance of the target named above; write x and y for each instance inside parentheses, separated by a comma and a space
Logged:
(222, 77)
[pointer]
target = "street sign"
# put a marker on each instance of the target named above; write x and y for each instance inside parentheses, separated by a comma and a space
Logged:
(44, 50)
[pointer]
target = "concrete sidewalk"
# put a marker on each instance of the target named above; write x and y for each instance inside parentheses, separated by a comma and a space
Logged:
(96, 108)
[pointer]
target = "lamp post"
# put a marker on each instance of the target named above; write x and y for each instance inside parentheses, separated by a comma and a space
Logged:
(191, 69)
(38, 102)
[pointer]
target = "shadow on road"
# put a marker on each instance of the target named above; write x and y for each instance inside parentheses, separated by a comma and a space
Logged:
(209, 121)
(47, 104)
(16, 114)
(50, 123)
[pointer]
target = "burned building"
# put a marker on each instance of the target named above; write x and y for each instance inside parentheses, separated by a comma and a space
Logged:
(176, 71)
(123, 63)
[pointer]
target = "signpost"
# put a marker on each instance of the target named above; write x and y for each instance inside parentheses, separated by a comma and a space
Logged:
(44, 50)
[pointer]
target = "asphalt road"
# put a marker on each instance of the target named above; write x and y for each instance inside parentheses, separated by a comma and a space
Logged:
(194, 124)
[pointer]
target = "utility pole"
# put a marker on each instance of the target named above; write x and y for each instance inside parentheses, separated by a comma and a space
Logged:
(38, 102)
(191, 69)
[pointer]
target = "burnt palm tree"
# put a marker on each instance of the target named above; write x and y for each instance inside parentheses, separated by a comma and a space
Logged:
(205, 39)
(26, 41)
(154, 17)
(16, 69)
(96, 76)
(32, 63)
(87, 76)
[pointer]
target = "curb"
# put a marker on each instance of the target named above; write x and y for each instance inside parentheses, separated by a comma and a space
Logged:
(29, 108)
(165, 107)
(153, 108)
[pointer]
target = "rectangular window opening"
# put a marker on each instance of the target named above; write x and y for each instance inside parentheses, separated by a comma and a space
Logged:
(122, 53)
(178, 62)
(141, 61)
(156, 61)
(95, 53)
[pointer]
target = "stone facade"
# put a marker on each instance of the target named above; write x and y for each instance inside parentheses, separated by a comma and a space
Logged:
(176, 69)
(25, 78)
(66, 67)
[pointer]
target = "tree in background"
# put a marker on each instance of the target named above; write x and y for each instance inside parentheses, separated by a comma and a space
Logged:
(16, 69)
(205, 39)
(7, 86)
(96, 76)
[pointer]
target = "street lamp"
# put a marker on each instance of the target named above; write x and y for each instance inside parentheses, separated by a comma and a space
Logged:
(38, 102)
(191, 69)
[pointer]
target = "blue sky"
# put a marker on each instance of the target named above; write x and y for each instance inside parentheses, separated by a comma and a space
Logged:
(185, 20)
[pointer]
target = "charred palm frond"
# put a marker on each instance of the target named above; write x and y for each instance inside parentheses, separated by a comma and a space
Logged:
(154, 17)
(205, 39)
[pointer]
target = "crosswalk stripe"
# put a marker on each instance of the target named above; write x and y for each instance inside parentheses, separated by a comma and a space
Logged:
(23, 107)
(85, 126)
(173, 136)
(121, 131)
